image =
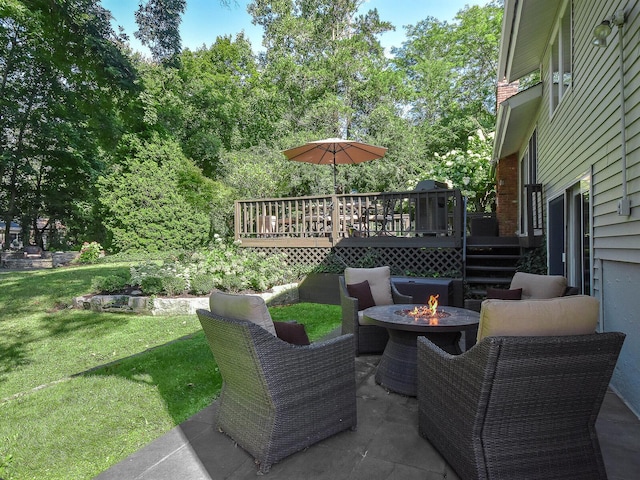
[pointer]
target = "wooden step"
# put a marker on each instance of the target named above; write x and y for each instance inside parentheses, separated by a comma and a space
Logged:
(488, 280)
(492, 256)
(492, 268)
(493, 242)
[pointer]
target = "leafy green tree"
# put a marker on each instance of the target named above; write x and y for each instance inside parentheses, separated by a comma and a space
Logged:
(450, 69)
(63, 78)
(333, 78)
(159, 28)
(154, 199)
(215, 101)
(326, 61)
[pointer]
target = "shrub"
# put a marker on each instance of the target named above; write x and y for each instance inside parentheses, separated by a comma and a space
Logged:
(110, 284)
(149, 200)
(223, 266)
(90, 252)
(174, 285)
(151, 285)
(203, 283)
(232, 283)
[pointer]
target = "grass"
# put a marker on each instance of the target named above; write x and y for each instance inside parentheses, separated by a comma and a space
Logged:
(80, 390)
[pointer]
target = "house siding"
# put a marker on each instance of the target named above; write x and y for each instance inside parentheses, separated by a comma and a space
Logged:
(583, 137)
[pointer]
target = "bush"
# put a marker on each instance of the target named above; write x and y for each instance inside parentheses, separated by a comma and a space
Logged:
(148, 200)
(173, 285)
(203, 283)
(223, 266)
(151, 285)
(110, 284)
(232, 284)
(90, 252)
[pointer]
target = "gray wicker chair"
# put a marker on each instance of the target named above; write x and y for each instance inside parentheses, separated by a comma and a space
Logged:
(369, 339)
(279, 398)
(518, 407)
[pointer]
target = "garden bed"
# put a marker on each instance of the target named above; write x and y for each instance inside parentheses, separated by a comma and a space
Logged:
(185, 305)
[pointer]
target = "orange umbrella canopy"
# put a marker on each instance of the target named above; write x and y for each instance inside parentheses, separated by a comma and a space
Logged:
(335, 151)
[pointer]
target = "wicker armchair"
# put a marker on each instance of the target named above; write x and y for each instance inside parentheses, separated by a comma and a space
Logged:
(518, 407)
(369, 339)
(279, 398)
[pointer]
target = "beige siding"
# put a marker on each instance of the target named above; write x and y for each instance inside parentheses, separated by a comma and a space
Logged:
(584, 131)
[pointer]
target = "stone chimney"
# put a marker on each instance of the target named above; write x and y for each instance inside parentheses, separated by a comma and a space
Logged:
(506, 90)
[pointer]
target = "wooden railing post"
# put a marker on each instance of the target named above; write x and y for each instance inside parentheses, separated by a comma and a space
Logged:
(236, 220)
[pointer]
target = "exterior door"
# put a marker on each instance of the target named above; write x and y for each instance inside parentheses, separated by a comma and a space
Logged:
(578, 244)
(556, 236)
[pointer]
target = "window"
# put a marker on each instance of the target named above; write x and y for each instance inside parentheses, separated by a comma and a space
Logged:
(561, 66)
(528, 176)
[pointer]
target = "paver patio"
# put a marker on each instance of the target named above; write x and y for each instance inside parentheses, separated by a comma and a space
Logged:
(386, 445)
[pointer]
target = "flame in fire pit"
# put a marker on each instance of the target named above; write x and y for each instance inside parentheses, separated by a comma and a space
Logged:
(429, 311)
(433, 304)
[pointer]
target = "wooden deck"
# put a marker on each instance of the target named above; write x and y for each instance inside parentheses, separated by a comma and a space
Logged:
(413, 219)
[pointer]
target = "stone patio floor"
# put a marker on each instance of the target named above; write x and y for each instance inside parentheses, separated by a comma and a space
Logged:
(386, 445)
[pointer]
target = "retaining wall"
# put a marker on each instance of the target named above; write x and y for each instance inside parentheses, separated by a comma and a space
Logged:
(157, 306)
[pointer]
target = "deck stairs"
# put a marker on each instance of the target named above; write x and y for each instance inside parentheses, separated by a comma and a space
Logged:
(490, 262)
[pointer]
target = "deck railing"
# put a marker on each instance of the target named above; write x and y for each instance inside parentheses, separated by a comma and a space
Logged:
(330, 219)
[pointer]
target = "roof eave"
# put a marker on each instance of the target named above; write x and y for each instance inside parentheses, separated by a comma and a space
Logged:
(514, 119)
(526, 28)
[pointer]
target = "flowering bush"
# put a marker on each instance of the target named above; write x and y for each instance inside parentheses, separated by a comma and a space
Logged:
(90, 252)
(469, 170)
(224, 266)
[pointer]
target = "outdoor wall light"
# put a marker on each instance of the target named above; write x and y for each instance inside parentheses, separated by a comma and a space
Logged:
(602, 31)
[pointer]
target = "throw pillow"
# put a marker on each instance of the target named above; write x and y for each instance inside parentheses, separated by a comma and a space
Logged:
(504, 294)
(379, 279)
(293, 333)
(362, 292)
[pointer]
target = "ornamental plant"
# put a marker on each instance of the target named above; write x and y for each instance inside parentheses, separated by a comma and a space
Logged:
(90, 252)
(222, 266)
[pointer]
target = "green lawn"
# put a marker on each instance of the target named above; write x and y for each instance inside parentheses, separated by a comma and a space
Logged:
(80, 391)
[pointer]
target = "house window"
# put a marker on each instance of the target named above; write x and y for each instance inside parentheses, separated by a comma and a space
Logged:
(528, 176)
(561, 70)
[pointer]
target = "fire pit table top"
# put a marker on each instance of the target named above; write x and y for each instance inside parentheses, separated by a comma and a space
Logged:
(400, 317)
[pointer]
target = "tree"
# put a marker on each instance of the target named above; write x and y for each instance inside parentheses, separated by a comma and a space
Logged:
(62, 79)
(450, 68)
(332, 76)
(326, 61)
(154, 198)
(159, 28)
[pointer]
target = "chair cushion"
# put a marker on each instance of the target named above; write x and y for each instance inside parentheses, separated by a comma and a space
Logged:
(539, 286)
(362, 292)
(379, 279)
(574, 315)
(291, 332)
(242, 307)
(504, 294)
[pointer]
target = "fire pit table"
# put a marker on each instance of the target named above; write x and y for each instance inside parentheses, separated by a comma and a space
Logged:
(398, 364)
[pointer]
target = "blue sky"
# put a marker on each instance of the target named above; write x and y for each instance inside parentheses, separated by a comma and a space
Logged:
(204, 20)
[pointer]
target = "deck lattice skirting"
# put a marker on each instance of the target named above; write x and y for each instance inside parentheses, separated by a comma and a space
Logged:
(417, 260)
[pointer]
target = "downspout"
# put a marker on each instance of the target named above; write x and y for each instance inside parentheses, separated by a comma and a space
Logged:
(624, 206)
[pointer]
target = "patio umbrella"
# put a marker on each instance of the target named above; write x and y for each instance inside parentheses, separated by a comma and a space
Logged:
(335, 151)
